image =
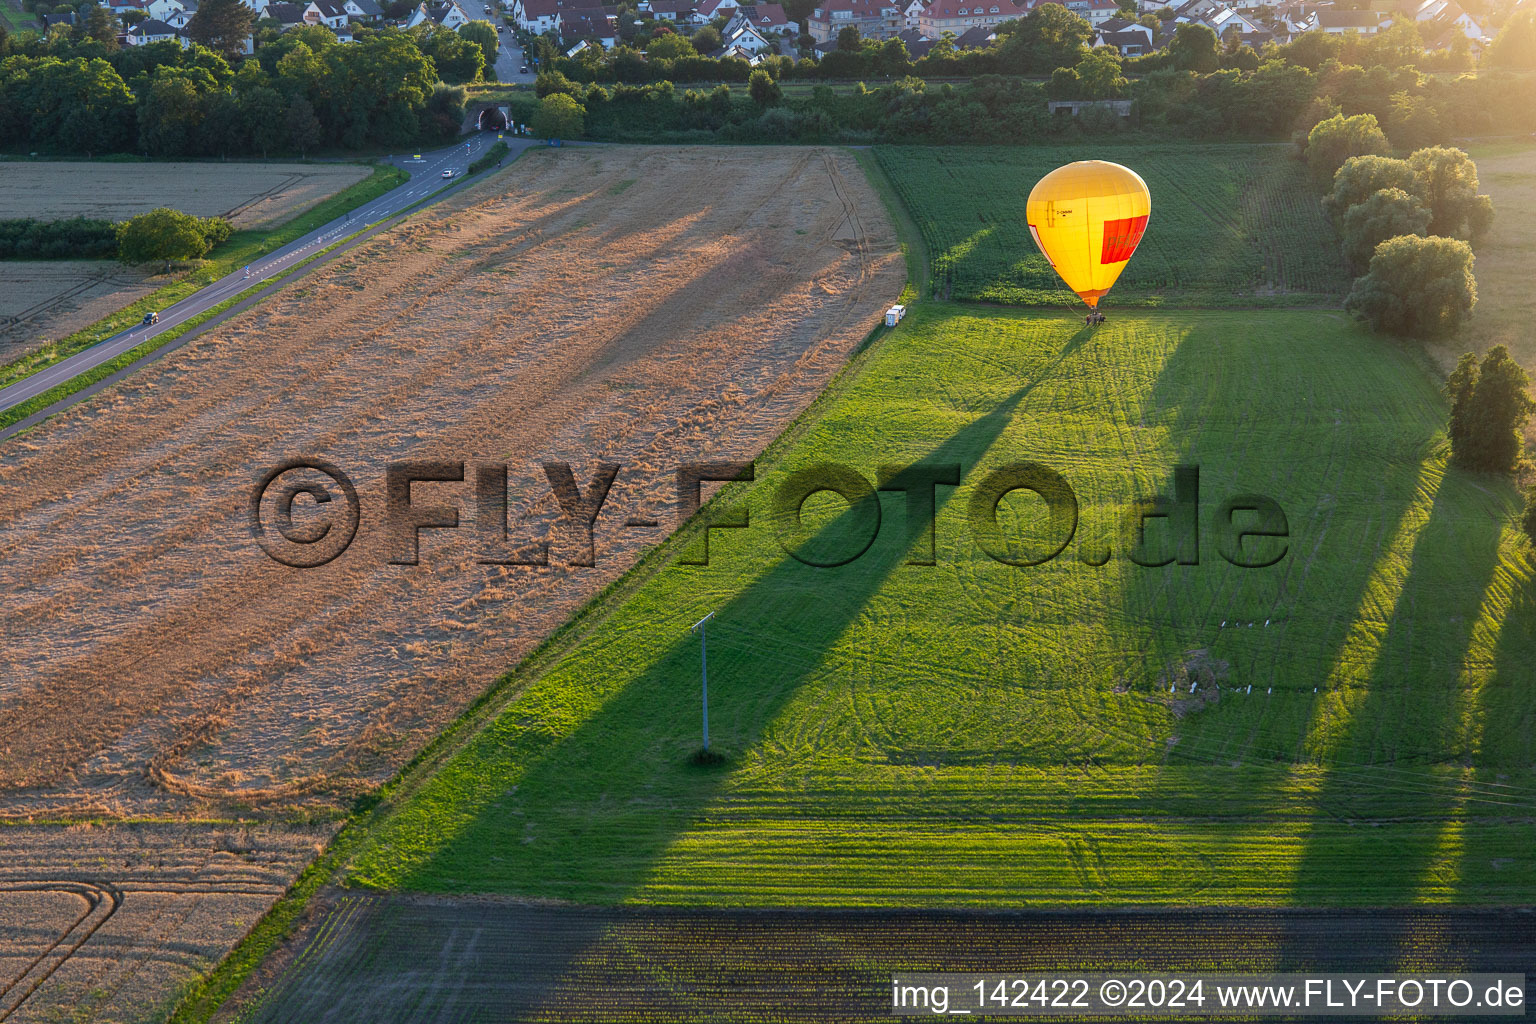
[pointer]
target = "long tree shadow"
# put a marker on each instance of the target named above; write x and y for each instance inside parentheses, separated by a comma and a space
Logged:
(1258, 640)
(1498, 856)
(1392, 788)
(596, 808)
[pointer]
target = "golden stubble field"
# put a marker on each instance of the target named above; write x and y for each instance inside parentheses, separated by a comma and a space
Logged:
(643, 306)
(252, 195)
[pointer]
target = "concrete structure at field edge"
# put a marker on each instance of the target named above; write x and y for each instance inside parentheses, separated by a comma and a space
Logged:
(1121, 107)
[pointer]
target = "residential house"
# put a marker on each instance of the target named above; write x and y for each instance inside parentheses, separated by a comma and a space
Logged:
(447, 14)
(1130, 38)
(151, 30)
(537, 16)
(745, 39)
(767, 19)
(1095, 12)
(161, 10)
(684, 12)
(960, 16)
(1437, 17)
(875, 19)
(1195, 10)
(917, 44)
(287, 15)
(594, 23)
(1367, 23)
(179, 19)
(978, 38)
(911, 11)
(364, 11)
(1229, 20)
(329, 13)
(708, 9)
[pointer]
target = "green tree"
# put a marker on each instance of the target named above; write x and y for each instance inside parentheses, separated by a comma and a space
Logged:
(1065, 84)
(894, 61)
(1446, 180)
(1386, 214)
(301, 72)
(222, 25)
(670, 47)
(1362, 177)
(1338, 138)
(263, 111)
(101, 25)
(445, 111)
(1193, 48)
(1490, 406)
(1412, 121)
(1418, 287)
(456, 59)
(558, 117)
(483, 35)
(300, 126)
(169, 114)
(707, 39)
(1047, 38)
(1100, 76)
(167, 234)
(1515, 45)
(1458, 388)
(848, 39)
(1312, 49)
(763, 89)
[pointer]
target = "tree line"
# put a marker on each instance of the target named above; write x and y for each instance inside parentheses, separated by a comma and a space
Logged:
(162, 234)
(72, 93)
(1198, 87)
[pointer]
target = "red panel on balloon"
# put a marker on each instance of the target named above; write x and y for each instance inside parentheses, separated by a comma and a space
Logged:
(1121, 238)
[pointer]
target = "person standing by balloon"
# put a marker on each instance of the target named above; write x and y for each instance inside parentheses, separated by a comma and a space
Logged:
(1087, 218)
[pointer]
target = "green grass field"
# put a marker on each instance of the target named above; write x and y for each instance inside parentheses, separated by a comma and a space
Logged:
(1232, 225)
(977, 733)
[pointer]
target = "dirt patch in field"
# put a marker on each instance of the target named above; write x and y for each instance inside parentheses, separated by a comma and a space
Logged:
(252, 195)
(398, 957)
(45, 300)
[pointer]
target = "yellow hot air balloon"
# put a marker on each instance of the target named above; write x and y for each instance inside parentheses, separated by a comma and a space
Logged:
(1087, 218)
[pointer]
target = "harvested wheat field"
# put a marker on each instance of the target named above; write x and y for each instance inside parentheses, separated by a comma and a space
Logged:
(44, 300)
(252, 195)
(640, 306)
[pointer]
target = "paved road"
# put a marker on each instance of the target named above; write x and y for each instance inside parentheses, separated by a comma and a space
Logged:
(426, 177)
(510, 60)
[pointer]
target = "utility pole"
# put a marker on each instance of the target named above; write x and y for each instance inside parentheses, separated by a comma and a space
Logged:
(701, 629)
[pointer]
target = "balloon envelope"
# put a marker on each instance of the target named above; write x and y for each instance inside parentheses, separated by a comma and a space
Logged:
(1087, 218)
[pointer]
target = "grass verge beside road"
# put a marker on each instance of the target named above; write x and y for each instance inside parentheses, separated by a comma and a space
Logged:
(243, 247)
